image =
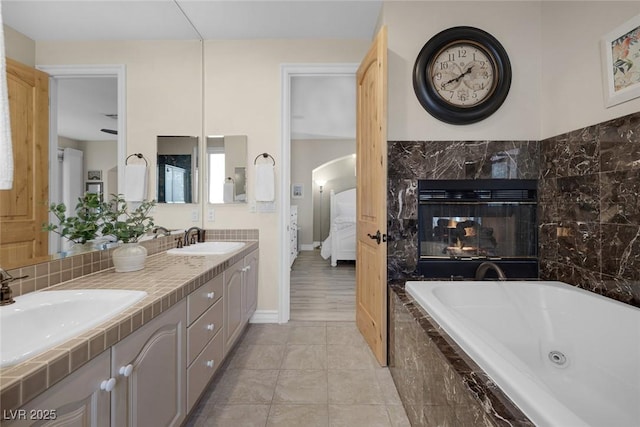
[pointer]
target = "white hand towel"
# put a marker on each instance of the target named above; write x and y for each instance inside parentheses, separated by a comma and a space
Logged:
(227, 195)
(6, 148)
(135, 183)
(265, 183)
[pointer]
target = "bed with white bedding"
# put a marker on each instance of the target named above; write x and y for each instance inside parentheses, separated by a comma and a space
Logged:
(341, 243)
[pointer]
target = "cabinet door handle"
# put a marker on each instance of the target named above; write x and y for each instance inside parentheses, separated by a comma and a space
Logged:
(211, 295)
(108, 385)
(126, 370)
(211, 326)
(210, 363)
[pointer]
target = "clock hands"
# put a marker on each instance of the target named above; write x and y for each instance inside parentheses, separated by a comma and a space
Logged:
(456, 79)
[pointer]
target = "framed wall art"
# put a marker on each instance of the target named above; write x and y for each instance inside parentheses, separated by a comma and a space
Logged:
(94, 175)
(297, 191)
(620, 50)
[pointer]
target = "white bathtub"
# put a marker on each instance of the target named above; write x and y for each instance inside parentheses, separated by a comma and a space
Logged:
(513, 330)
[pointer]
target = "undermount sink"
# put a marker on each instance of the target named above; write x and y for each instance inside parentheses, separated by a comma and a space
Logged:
(207, 248)
(39, 321)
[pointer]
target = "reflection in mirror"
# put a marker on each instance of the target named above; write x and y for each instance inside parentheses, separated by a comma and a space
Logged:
(177, 169)
(227, 165)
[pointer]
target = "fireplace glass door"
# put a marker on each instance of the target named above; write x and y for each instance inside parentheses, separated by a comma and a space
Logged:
(477, 220)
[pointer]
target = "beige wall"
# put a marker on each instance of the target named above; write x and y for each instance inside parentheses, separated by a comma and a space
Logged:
(554, 48)
(572, 85)
(242, 96)
(19, 47)
(102, 156)
(515, 24)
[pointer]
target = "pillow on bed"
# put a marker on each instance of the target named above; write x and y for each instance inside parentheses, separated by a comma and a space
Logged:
(347, 209)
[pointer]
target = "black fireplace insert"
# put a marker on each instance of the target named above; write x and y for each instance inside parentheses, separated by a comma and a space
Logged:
(462, 223)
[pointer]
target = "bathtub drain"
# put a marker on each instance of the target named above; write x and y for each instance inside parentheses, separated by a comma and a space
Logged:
(557, 357)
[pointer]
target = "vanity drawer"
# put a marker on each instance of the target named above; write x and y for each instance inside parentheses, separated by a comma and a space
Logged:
(203, 329)
(200, 373)
(204, 297)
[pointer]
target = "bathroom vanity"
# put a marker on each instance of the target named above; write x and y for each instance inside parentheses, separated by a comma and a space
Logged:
(149, 365)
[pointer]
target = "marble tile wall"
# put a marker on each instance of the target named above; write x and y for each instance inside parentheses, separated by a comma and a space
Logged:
(410, 161)
(589, 208)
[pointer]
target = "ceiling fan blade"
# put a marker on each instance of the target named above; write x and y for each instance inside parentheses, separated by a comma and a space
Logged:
(111, 131)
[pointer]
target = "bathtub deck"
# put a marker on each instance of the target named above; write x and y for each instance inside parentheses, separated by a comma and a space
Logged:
(437, 382)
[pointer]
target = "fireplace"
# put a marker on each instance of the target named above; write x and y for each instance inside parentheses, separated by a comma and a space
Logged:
(462, 223)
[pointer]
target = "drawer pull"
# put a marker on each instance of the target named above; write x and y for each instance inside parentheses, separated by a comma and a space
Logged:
(211, 295)
(108, 385)
(211, 327)
(210, 363)
(126, 370)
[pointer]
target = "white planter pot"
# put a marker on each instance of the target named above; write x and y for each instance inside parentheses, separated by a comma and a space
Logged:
(129, 257)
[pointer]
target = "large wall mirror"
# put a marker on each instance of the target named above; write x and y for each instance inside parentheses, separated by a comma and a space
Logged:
(177, 169)
(227, 166)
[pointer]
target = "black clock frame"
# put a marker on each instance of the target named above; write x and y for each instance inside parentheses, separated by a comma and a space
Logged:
(431, 100)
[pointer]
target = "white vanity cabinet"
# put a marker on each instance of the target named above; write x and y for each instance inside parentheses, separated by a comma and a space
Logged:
(76, 401)
(205, 345)
(149, 367)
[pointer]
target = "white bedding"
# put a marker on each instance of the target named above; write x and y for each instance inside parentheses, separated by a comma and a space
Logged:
(341, 242)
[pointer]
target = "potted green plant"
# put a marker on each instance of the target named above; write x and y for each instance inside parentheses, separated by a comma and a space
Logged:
(127, 226)
(81, 228)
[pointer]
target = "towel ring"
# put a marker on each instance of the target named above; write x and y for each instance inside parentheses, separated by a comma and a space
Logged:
(265, 155)
(138, 155)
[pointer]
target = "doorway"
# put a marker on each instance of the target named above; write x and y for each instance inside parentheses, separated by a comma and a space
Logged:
(62, 78)
(290, 72)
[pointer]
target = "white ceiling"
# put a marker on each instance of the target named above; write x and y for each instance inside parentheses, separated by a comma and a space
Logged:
(321, 108)
(191, 19)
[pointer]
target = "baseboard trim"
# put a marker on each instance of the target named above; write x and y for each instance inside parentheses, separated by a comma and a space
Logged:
(264, 316)
(307, 247)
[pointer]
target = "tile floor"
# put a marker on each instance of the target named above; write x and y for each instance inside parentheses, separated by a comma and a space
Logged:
(301, 374)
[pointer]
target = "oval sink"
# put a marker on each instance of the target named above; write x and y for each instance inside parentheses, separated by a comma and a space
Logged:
(39, 321)
(207, 248)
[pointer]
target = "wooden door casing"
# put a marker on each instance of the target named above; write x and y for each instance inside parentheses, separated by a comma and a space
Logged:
(24, 208)
(371, 165)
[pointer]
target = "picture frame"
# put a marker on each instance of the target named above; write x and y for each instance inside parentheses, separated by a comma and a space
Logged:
(94, 175)
(95, 187)
(620, 52)
(297, 191)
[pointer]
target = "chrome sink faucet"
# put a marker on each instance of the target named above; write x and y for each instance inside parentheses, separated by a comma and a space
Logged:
(486, 266)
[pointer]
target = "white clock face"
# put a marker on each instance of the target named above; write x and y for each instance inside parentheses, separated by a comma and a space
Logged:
(463, 74)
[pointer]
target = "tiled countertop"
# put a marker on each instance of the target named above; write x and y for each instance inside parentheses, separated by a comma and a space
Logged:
(167, 279)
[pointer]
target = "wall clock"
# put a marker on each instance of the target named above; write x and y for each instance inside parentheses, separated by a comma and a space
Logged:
(462, 75)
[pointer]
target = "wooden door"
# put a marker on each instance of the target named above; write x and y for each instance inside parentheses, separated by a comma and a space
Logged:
(23, 209)
(371, 167)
